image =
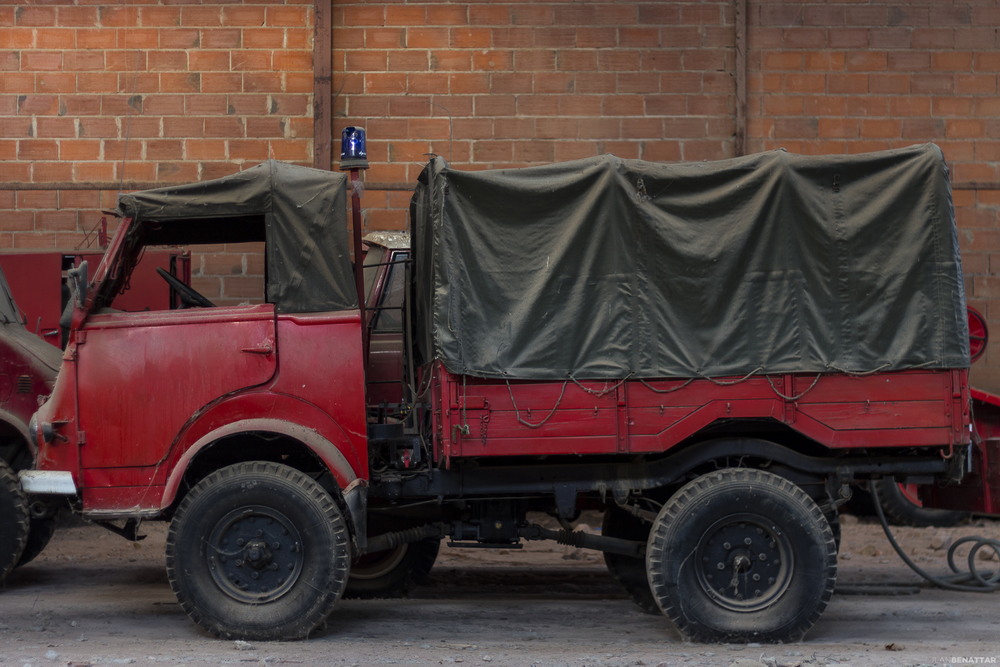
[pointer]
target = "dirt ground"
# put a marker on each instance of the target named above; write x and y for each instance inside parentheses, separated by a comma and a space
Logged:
(94, 599)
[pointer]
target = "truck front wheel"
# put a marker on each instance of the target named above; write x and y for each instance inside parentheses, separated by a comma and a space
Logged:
(741, 555)
(14, 520)
(258, 551)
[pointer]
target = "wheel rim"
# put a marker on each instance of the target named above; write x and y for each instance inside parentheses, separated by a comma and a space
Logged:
(744, 563)
(255, 554)
(373, 566)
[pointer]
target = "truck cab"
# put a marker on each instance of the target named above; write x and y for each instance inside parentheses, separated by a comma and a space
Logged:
(144, 404)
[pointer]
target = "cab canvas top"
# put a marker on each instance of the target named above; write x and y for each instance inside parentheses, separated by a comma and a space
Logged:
(607, 268)
(300, 211)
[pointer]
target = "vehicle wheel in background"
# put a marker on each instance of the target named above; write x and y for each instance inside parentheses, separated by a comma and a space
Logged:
(392, 573)
(629, 572)
(14, 520)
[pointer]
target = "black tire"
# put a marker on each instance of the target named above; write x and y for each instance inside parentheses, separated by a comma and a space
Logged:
(791, 557)
(900, 510)
(392, 573)
(629, 572)
(40, 531)
(14, 520)
(258, 551)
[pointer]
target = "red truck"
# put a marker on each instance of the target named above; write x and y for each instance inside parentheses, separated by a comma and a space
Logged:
(711, 353)
(32, 298)
(28, 367)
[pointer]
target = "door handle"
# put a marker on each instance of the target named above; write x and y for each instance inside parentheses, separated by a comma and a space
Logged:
(263, 348)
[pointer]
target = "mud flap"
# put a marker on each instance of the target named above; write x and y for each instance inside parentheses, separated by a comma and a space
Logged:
(356, 500)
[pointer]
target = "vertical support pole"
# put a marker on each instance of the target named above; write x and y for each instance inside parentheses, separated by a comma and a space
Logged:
(740, 135)
(322, 84)
(359, 269)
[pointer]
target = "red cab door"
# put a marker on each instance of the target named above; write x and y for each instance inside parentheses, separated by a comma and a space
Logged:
(143, 376)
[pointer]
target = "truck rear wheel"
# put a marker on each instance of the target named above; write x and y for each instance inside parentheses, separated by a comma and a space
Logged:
(259, 551)
(629, 572)
(392, 573)
(741, 555)
(14, 520)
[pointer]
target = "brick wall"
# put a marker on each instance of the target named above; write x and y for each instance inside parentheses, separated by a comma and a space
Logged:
(498, 83)
(145, 92)
(840, 77)
(173, 90)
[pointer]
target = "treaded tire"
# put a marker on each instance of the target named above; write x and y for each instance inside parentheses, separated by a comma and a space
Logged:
(40, 531)
(13, 520)
(902, 511)
(629, 572)
(707, 523)
(258, 551)
(392, 573)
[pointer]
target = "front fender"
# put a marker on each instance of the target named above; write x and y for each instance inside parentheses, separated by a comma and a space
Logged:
(341, 451)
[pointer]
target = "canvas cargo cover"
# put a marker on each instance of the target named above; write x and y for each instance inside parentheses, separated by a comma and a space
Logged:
(606, 268)
(301, 213)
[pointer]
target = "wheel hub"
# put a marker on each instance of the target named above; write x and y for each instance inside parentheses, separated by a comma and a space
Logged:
(744, 562)
(255, 554)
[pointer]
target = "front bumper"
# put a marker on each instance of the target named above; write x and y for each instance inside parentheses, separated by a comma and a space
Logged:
(47, 482)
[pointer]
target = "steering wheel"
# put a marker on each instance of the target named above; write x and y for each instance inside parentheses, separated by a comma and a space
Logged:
(189, 297)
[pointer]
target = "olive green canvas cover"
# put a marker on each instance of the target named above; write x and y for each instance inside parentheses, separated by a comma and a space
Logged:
(607, 268)
(299, 211)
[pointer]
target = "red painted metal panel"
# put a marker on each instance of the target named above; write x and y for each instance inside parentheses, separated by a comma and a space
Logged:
(36, 282)
(322, 365)
(142, 376)
(490, 418)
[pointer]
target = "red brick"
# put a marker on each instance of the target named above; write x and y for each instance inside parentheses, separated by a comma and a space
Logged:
(41, 61)
(462, 83)
(450, 60)
(165, 149)
(34, 16)
(288, 16)
(783, 60)
(37, 199)
(17, 38)
(51, 172)
(37, 149)
(964, 128)
(599, 38)
(243, 16)
(221, 38)
(847, 84)
(975, 84)
(265, 127)
(262, 82)
(15, 172)
(470, 38)
(492, 60)
(201, 16)
(408, 60)
(953, 61)
(224, 126)
(298, 82)
(13, 82)
(385, 38)
(274, 38)
(217, 82)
